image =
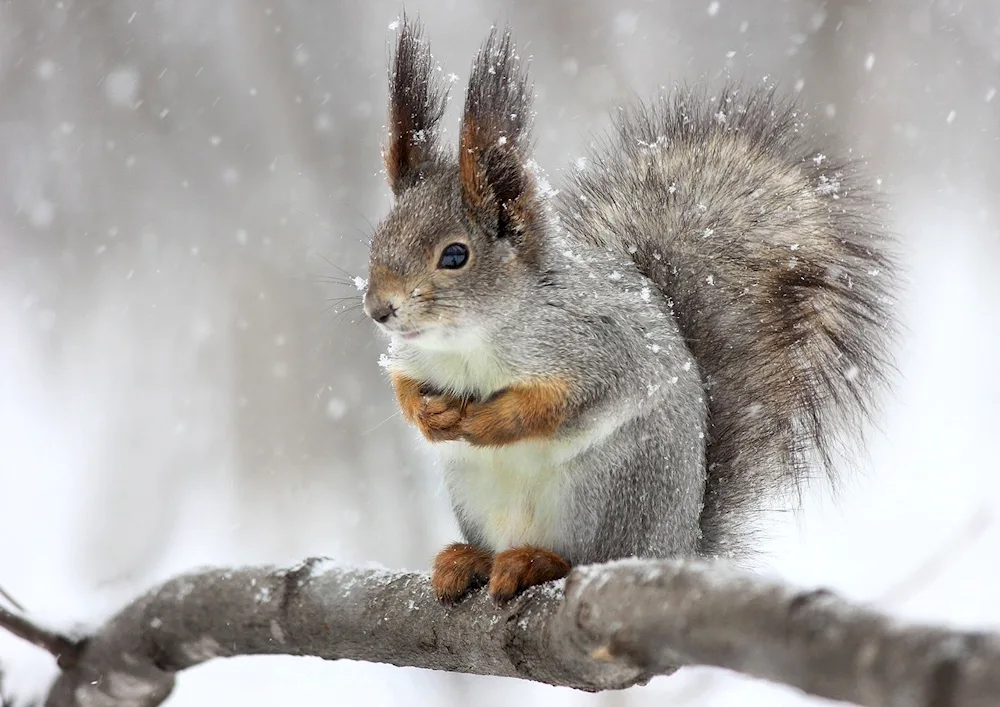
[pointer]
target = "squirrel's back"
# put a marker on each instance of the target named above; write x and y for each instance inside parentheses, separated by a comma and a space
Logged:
(779, 274)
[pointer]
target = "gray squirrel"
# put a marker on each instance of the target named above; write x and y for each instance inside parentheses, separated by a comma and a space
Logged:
(632, 365)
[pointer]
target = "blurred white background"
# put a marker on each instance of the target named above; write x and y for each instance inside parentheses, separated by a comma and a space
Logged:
(179, 385)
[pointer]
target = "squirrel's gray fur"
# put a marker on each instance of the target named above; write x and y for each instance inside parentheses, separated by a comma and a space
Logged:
(712, 282)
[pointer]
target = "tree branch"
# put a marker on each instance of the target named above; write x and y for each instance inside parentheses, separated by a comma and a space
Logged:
(609, 626)
(65, 650)
(11, 600)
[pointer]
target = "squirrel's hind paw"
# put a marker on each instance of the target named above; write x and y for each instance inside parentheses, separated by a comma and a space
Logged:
(458, 569)
(517, 569)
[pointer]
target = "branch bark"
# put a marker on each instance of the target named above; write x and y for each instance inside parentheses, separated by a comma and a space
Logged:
(608, 626)
(65, 650)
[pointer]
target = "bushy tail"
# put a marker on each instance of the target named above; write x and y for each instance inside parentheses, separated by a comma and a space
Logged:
(779, 275)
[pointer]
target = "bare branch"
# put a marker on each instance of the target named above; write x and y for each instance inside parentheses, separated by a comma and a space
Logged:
(11, 600)
(609, 626)
(65, 650)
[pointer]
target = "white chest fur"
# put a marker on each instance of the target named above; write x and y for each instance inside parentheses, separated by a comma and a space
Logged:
(511, 494)
(462, 365)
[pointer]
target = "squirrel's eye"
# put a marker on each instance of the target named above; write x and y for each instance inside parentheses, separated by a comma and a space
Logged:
(454, 256)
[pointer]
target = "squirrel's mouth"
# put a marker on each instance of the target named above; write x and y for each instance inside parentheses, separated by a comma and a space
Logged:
(427, 335)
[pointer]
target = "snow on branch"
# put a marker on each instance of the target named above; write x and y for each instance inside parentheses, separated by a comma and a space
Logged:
(608, 626)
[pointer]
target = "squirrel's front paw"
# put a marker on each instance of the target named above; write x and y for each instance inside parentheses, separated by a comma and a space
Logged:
(440, 417)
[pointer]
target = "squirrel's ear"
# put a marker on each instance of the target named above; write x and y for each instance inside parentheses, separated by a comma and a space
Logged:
(495, 141)
(416, 103)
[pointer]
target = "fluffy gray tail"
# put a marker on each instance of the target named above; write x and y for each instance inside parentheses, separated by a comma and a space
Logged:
(779, 275)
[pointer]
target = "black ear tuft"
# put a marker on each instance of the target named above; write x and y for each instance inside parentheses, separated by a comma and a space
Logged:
(417, 101)
(495, 139)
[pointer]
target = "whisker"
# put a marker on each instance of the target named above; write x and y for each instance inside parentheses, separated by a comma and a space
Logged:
(341, 319)
(364, 217)
(349, 308)
(342, 312)
(335, 278)
(350, 277)
(395, 414)
(421, 282)
(335, 281)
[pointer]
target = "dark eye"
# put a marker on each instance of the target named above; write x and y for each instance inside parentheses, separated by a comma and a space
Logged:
(454, 256)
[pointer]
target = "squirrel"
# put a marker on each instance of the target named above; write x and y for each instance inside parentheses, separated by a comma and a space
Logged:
(628, 366)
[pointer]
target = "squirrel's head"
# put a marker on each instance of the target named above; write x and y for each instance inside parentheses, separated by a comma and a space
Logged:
(466, 229)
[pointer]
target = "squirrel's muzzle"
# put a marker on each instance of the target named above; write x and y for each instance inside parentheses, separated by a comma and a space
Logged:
(379, 309)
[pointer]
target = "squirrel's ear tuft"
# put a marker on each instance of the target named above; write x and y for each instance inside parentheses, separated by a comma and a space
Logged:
(417, 101)
(495, 141)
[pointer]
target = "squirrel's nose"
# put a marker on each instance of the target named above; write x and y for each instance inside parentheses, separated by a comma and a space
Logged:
(382, 312)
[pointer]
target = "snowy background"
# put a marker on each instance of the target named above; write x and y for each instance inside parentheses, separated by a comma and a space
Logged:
(181, 178)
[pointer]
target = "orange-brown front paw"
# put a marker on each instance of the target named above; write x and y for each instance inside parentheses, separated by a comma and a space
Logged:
(458, 569)
(409, 396)
(529, 410)
(521, 567)
(440, 417)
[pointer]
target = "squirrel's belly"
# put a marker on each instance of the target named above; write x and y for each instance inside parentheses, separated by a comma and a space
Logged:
(513, 494)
